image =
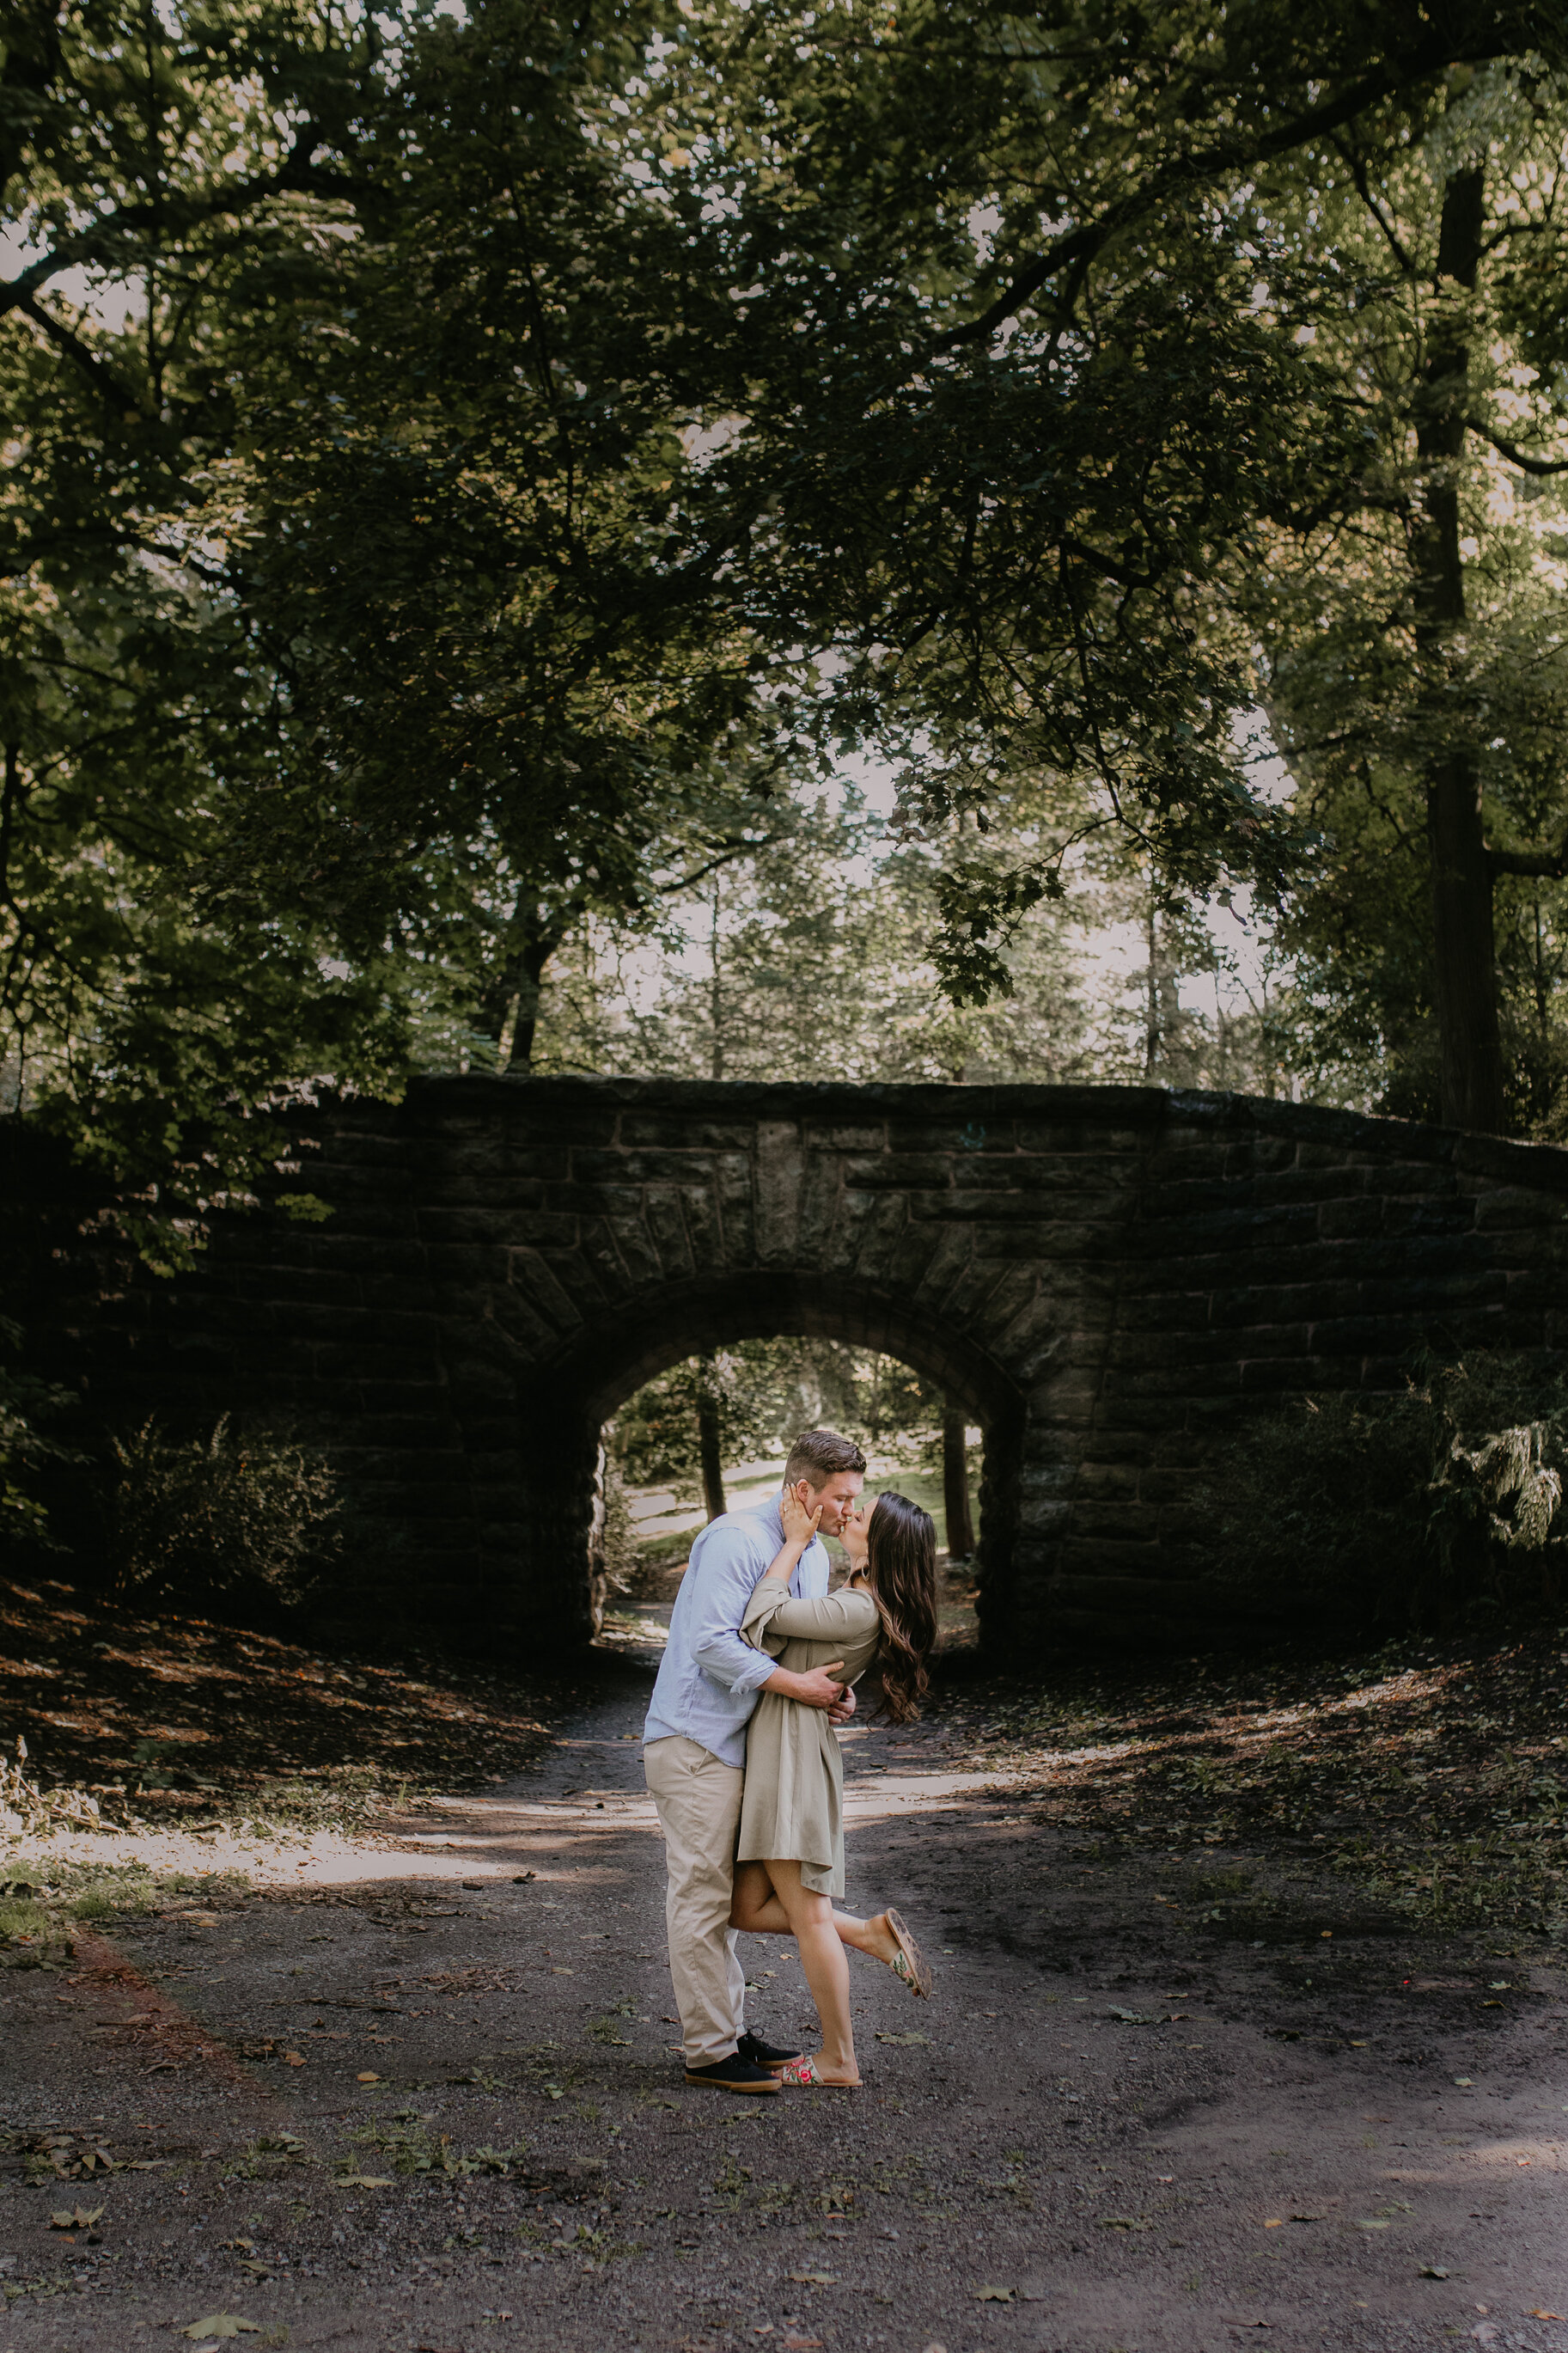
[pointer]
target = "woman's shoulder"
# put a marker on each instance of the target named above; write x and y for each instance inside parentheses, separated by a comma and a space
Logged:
(858, 1604)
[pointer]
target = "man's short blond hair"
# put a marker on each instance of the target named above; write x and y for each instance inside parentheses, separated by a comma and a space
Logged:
(818, 1455)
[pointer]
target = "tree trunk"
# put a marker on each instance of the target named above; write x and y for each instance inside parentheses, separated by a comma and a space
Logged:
(1463, 956)
(708, 1448)
(509, 1009)
(955, 1486)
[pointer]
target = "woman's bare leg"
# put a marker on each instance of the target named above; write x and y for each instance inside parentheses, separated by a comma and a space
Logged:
(753, 1907)
(822, 1957)
(756, 1910)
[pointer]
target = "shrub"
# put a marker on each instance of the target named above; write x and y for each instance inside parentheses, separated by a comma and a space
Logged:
(1397, 1510)
(26, 1453)
(200, 1517)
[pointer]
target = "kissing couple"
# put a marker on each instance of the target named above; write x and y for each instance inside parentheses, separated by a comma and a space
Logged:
(741, 1760)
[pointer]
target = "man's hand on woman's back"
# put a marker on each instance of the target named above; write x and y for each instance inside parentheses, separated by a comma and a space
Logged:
(821, 1687)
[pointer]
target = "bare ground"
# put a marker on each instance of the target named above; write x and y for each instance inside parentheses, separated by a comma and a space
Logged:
(1179, 2087)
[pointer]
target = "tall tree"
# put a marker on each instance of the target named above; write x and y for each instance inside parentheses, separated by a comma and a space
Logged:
(1417, 659)
(1064, 404)
(157, 172)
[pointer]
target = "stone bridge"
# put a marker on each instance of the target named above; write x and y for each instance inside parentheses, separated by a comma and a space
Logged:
(1100, 1274)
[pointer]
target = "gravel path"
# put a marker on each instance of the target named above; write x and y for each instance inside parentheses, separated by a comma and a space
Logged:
(426, 2098)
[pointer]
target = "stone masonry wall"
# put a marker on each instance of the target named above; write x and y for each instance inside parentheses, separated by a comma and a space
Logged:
(1100, 1274)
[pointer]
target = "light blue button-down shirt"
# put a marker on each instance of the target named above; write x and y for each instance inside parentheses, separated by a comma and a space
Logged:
(708, 1678)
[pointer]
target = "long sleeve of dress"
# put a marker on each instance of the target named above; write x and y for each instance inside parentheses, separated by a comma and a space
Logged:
(773, 1618)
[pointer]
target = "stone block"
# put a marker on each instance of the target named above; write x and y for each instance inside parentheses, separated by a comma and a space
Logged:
(601, 1165)
(928, 1171)
(1083, 1180)
(820, 1137)
(880, 1239)
(594, 1200)
(1104, 1482)
(1428, 1219)
(1277, 1376)
(1507, 1210)
(704, 1230)
(686, 1131)
(599, 1252)
(1320, 1186)
(957, 1136)
(1337, 1219)
(666, 1227)
(780, 1170)
(1068, 1136)
(1101, 1557)
(1163, 1200)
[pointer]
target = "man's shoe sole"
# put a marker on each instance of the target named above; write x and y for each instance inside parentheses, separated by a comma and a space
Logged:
(717, 2083)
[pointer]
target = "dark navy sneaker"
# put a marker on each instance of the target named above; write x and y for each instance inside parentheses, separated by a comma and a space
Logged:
(735, 2075)
(762, 2054)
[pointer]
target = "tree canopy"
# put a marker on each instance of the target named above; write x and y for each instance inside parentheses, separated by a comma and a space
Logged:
(467, 476)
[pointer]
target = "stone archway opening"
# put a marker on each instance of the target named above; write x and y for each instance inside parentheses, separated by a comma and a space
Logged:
(606, 1368)
(712, 1434)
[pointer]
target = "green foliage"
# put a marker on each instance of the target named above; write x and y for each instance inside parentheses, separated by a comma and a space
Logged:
(26, 1451)
(1400, 1510)
(135, 1018)
(488, 465)
(767, 1392)
(195, 1518)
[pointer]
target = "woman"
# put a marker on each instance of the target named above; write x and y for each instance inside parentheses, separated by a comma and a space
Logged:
(790, 1850)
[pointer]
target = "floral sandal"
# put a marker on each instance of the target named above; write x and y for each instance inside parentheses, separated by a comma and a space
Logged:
(803, 2072)
(909, 1963)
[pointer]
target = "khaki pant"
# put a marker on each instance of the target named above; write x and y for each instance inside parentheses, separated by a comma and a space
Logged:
(699, 1803)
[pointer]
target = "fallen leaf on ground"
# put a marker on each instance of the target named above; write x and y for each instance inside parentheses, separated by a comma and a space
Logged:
(1130, 2017)
(813, 2279)
(1436, 2271)
(1371, 2223)
(367, 2079)
(222, 2324)
(1538, 2312)
(364, 2182)
(904, 2038)
(74, 2218)
(294, 2059)
(996, 2294)
(1123, 2222)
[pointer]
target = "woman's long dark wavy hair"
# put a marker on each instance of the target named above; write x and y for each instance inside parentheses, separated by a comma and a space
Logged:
(901, 1563)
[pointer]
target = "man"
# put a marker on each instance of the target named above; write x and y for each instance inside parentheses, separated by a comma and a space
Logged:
(694, 1748)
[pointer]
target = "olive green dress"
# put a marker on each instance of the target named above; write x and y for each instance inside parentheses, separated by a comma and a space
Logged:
(792, 1808)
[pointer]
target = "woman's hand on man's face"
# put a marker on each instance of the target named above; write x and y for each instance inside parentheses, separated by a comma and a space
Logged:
(799, 1524)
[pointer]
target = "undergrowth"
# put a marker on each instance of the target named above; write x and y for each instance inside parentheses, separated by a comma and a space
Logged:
(1430, 1783)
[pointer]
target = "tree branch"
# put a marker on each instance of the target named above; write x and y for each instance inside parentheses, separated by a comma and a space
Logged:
(102, 379)
(1079, 245)
(296, 176)
(1514, 454)
(1541, 865)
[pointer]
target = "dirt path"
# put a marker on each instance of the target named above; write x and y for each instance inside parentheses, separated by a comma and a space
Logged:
(420, 2099)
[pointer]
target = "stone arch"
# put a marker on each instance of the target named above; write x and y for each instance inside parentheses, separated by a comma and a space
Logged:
(574, 1392)
(1109, 1273)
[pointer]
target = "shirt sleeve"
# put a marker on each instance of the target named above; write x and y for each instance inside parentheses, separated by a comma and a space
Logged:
(725, 1576)
(771, 1612)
